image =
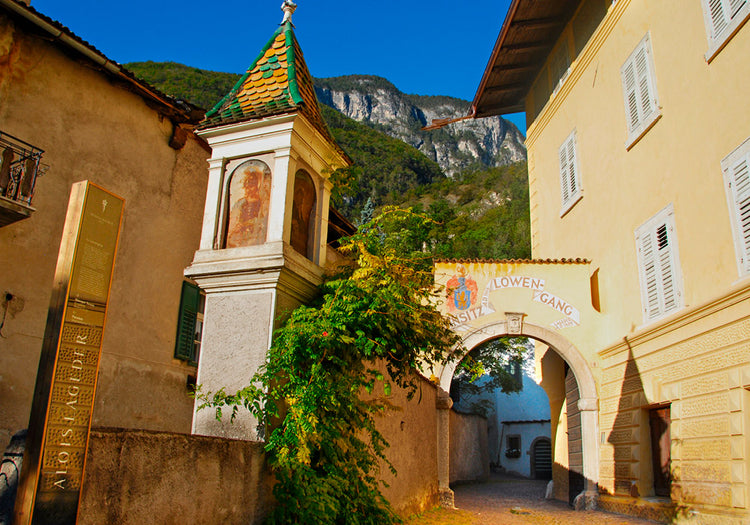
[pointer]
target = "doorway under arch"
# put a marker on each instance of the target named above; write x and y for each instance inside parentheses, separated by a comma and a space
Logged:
(583, 485)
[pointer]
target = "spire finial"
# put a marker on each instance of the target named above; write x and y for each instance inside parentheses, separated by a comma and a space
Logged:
(288, 7)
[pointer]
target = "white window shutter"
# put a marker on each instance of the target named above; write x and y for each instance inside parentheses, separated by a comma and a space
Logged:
(669, 290)
(717, 12)
(722, 18)
(570, 182)
(661, 283)
(739, 183)
(649, 275)
(644, 83)
(572, 166)
(639, 89)
(564, 174)
(631, 97)
(735, 6)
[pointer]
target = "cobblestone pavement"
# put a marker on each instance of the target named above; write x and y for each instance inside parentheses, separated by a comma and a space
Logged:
(512, 501)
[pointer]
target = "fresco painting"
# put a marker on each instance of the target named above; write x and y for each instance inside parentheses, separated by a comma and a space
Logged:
(249, 198)
(302, 213)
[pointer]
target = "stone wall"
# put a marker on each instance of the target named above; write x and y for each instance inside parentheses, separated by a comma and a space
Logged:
(139, 476)
(411, 430)
(470, 459)
(135, 477)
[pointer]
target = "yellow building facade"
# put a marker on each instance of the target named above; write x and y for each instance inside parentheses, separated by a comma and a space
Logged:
(639, 161)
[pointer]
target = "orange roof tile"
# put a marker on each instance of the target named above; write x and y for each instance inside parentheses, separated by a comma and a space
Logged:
(276, 83)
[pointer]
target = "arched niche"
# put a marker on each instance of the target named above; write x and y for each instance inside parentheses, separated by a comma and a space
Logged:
(303, 215)
(248, 202)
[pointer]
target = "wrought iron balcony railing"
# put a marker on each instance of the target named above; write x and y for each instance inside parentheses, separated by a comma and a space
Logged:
(20, 166)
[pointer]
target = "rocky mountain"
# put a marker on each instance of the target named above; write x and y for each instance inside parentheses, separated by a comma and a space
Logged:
(377, 103)
(481, 211)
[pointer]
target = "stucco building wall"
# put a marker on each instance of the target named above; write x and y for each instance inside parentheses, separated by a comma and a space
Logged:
(696, 359)
(94, 128)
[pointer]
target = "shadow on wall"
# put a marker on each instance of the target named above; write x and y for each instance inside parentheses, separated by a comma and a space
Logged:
(577, 500)
(641, 442)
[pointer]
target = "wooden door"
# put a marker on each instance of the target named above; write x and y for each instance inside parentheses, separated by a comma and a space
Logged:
(661, 443)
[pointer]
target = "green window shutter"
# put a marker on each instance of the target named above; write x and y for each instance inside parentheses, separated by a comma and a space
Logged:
(184, 347)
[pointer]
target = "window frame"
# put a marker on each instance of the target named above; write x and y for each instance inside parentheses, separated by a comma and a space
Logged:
(740, 233)
(570, 173)
(716, 42)
(650, 232)
(645, 121)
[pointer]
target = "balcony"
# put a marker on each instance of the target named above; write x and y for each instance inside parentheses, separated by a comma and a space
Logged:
(20, 166)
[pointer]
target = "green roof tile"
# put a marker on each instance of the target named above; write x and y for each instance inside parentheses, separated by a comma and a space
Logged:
(277, 82)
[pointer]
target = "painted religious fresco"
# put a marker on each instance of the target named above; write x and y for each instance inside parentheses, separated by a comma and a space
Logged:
(303, 207)
(249, 199)
(474, 291)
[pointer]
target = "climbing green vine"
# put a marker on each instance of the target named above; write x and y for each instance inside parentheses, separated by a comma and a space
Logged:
(372, 326)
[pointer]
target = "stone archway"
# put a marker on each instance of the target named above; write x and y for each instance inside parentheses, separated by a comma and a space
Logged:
(587, 404)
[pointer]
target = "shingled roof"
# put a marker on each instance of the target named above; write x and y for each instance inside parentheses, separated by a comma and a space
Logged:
(278, 82)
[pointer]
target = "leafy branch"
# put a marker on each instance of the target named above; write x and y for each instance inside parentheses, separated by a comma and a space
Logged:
(373, 323)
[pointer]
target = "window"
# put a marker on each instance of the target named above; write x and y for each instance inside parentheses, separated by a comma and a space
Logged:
(723, 18)
(736, 168)
(658, 265)
(570, 181)
(513, 447)
(514, 369)
(190, 323)
(639, 90)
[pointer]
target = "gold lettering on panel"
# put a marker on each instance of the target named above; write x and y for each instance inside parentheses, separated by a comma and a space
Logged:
(62, 416)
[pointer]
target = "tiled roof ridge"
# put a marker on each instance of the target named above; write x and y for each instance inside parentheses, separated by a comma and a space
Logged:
(577, 260)
(291, 45)
(238, 85)
(277, 83)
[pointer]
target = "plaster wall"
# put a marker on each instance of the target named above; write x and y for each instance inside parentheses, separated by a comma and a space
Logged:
(237, 328)
(702, 371)
(91, 128)
(703, 118)
(470, 458)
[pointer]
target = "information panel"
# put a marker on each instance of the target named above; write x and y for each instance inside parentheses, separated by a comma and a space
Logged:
(52, 473)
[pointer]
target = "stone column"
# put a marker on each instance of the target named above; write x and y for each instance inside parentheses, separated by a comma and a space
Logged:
(589, 444)
(444, 404)
(211, 212)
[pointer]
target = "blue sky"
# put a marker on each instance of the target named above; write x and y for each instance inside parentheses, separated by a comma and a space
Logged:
(427, 48)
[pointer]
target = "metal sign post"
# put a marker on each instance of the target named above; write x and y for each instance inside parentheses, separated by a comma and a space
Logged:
(52, 473)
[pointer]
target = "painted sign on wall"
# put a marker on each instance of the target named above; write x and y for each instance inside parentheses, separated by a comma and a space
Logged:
(466, 305)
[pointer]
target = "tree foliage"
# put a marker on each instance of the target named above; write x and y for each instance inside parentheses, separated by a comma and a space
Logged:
(372, 326)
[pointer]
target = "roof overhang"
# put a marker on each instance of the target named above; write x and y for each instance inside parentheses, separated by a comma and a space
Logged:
(177, 110)
(526, 38)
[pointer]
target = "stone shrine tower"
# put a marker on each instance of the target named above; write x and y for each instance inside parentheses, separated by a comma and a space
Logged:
(265, 226)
